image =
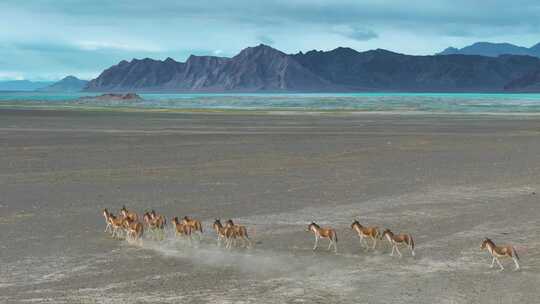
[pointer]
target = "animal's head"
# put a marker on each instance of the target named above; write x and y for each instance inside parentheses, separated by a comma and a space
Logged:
(186, 218)
(485, 243)
(385, 232)
(217, 222)
(354, 223)
(175, 220)
(105, 212)
(311, 226)
(229, 223)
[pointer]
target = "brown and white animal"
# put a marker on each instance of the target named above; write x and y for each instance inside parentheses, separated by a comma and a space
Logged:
(129, 214)
(195, 225)
(366, 232)
(117, 225)
(181, 229)
(158, 220)
(500, 252)
(326, 232)
(226, 234)
(155, 223)
(134, 230)
(240, 232)
(397, 240)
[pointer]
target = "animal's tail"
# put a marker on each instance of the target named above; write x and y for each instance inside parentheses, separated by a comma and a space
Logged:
(411, 241)
(515, 253)
(335, 237)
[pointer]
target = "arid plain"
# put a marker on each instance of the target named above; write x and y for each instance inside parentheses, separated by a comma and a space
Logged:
(449, 180)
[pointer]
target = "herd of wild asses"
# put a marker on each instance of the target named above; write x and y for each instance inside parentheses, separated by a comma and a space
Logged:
(127, 224)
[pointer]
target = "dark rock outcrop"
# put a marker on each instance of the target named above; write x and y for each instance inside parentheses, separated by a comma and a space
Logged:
(264, 69)
(128, 97)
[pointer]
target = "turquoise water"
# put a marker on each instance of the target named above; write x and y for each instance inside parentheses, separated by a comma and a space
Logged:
(385, 102)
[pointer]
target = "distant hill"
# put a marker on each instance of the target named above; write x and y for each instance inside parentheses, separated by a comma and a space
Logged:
(265, 69)
(67, 84)
(23, 85)
(493, 50)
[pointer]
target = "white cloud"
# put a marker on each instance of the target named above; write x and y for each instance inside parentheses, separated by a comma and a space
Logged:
(11, 75)
(89, 45)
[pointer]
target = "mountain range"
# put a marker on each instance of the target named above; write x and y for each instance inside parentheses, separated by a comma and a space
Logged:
(493, 49)
(265, 69)
(23, 85)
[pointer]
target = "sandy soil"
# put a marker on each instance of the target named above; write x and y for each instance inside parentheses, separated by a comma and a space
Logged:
(448, 180)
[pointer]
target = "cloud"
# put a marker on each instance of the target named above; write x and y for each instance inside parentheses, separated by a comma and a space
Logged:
(79, 36)
(356, 33)
(103, 45)
(265, 39)
(11, 75)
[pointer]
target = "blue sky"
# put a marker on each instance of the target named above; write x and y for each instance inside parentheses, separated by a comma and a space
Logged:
(48, 39)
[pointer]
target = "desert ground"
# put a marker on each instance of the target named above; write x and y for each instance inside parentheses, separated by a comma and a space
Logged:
(449, 180)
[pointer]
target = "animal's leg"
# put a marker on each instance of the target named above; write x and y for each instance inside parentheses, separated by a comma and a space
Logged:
(393, 249)
(516, 262)
(412, 250)
(399, 252)
(335, 246)
(242, 238)
(330, 244)
(363, 242)
(500, 265)
(316, 242)
(374, 243)
(492, 262)
(246, 241)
